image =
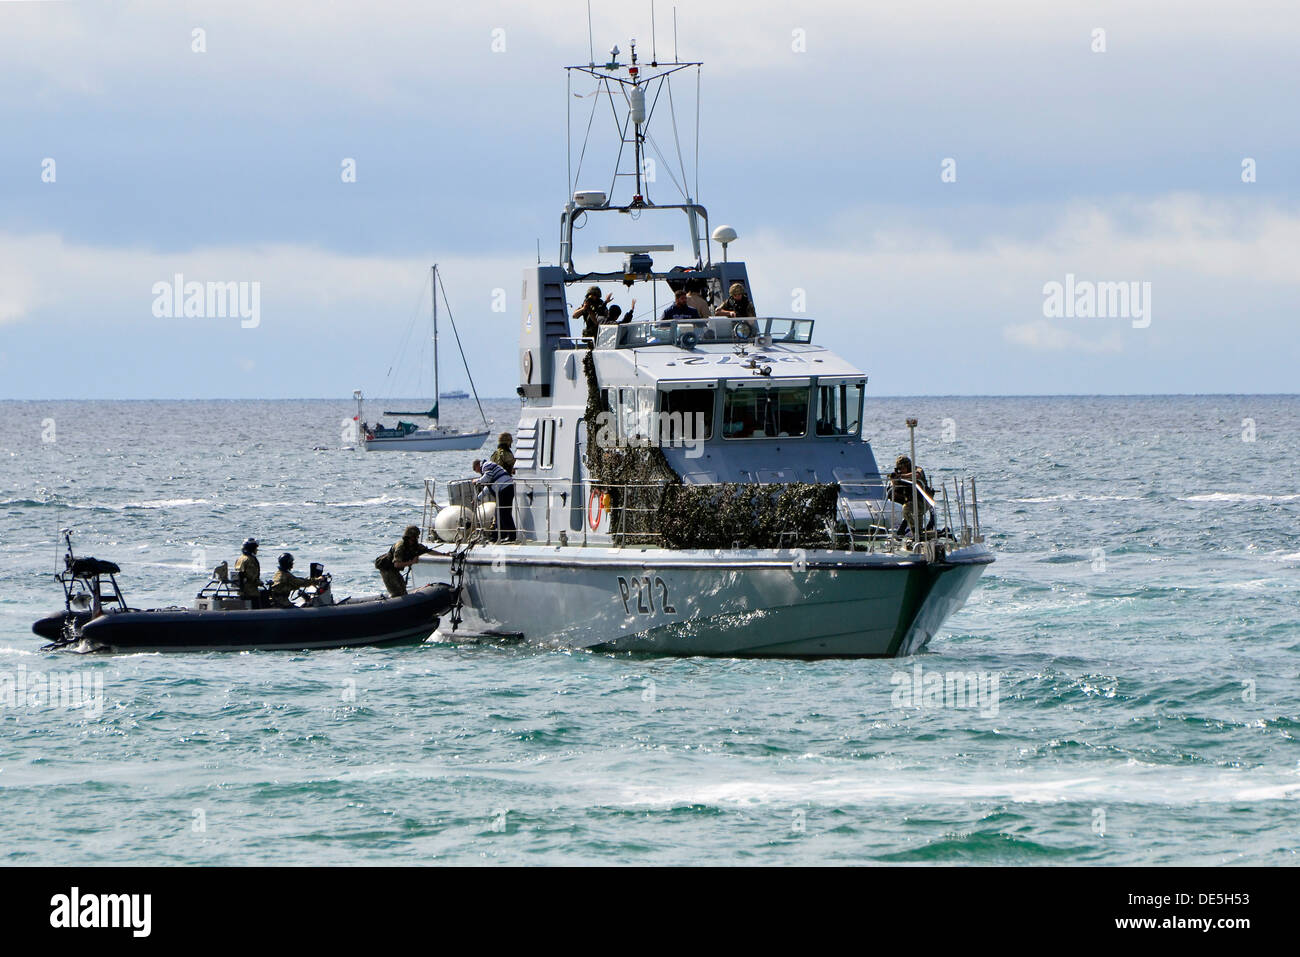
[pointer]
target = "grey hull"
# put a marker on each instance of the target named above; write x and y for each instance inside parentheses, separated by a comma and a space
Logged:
(733, 603)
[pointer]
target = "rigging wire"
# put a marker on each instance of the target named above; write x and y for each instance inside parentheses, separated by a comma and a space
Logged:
(667, 166)
(697, 134)
(622, 132)
(587, 138)
(460, 349)
(402, 347)
(672, 108)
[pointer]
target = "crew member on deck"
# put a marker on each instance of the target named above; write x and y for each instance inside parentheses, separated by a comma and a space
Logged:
(617, 316)
(900, 491)
(503, 456)
(592, 311)
(739, 305)
(500, 485)
(250, 573)
(286, 582)
(399, 558)
(680, 309)
(695, 290)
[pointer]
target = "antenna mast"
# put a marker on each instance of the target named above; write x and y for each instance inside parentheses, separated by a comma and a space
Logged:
(654, 47)
(433, 291)
(636, 113)
(591, 44)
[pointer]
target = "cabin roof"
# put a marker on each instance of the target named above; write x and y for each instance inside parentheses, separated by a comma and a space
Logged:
(721, 361)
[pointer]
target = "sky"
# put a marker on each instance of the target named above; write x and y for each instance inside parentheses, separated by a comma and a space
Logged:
(915, 176)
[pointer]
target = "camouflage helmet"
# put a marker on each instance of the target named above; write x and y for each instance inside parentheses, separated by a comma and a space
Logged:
(412, 531)
(286, 562)
(250, 544)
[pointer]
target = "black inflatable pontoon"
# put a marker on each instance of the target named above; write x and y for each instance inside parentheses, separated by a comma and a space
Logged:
(97, 618)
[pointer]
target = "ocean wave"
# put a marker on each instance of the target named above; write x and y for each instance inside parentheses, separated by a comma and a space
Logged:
(359, 503)
(1130, 784)
(1073, 497)
(105, 506)
(1240, 497)
(165, 503)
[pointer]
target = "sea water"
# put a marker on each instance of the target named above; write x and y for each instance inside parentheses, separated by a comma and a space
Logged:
(1135, 651)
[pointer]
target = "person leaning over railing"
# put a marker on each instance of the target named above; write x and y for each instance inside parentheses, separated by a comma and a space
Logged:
(500, 484)
(399, 558)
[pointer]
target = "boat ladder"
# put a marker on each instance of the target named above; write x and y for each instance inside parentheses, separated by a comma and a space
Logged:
(458, 581)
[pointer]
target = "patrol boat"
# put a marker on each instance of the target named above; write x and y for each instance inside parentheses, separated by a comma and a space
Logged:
(693, 486)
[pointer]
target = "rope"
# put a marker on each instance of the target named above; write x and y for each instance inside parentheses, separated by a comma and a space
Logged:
(461, 350)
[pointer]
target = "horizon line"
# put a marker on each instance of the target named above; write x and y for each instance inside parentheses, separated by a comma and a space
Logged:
(900, 395)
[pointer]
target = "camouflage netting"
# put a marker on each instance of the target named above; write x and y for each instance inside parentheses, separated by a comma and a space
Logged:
(633, 511)
(676, 515)
(748, 515)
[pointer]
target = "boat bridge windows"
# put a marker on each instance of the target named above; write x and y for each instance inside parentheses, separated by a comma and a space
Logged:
(679, 415)
(715, 329)
(686, 411)
(839, 406)
(765, 410)
(682, 412)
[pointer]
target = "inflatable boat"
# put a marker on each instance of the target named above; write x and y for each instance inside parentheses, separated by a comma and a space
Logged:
(96, 616)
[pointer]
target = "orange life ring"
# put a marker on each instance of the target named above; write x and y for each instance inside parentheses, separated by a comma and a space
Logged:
(594, 517)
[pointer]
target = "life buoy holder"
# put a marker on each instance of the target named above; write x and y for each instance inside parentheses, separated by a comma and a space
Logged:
(595, 515)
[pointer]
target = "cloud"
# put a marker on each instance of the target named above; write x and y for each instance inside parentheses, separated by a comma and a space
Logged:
(78, 283)
(875, 294)
(392, 50)
(1044, 336)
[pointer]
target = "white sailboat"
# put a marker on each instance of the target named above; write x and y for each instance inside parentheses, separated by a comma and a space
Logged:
(409, 437)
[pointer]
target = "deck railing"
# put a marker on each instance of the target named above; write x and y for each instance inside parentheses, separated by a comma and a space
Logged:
(854, 516)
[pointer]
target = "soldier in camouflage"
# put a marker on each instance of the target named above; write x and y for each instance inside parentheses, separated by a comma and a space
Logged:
(503, 456)
(400, 557)
(286, 582)
(250, 571)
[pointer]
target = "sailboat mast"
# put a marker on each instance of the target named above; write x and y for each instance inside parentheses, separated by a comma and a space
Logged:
(433, 289)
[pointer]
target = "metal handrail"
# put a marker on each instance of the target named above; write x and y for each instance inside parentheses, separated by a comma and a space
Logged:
(867, 517)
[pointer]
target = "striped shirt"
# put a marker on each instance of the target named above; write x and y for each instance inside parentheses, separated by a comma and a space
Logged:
(494, 476)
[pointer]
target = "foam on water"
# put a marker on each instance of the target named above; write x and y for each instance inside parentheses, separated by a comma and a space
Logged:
(1142, 624)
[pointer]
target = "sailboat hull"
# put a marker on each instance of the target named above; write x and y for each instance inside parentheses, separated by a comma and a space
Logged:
(428, 440)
